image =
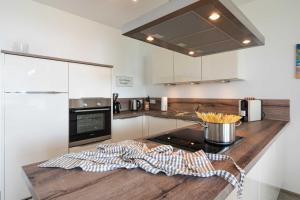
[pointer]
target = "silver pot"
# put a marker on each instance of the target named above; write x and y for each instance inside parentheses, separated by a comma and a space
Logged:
(223, 134)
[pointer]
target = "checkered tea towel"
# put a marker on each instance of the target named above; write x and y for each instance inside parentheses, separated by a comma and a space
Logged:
(131, 154)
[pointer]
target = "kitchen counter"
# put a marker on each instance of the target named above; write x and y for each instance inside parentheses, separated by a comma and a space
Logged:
(189, 116)
(61, 184)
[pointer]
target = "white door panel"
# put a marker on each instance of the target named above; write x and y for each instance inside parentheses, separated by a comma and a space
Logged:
(186, 68)
(36, 129)
(160, 125)
(162, 64)
(32, 74)
(89, 81)
(184, 123)
(220, 66)
(127, 129)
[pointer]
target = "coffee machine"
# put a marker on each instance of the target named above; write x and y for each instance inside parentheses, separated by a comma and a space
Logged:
(116, 104)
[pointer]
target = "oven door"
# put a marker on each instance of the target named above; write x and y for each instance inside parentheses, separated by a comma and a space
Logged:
(89, 125)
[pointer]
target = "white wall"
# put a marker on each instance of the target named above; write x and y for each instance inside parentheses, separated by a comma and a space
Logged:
(52, 32)
(270, 73)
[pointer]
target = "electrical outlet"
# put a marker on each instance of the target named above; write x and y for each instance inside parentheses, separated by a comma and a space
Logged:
(152, 101)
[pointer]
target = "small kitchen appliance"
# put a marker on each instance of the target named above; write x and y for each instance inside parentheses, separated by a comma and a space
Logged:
(89, 120)
(116, 104)
(135, 104)
(250, 109)
(192, 140)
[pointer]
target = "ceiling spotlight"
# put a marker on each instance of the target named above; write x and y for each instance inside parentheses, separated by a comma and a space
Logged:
(134, 1)
(246, 41)
(214, 16)
(191, 53)
(150, 38)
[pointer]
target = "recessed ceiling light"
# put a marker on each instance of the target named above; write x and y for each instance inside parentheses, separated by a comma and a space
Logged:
(150, 38)
(246, 41)
(135, 1)
(214, 16)
(191, 53)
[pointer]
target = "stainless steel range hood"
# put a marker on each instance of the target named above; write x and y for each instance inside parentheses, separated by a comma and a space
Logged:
(196, 27)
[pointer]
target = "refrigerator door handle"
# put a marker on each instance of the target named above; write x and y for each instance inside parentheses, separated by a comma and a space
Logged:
(35, 92)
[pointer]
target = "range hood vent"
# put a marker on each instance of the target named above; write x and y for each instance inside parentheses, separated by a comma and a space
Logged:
(196, 27)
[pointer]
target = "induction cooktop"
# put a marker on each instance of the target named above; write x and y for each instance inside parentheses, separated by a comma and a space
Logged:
(191, 140)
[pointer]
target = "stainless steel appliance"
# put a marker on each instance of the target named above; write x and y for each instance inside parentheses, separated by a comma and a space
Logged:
(220, 133)
(192, 140)
(196, 28)
(90, 120)
(251, 110)
(135, 104)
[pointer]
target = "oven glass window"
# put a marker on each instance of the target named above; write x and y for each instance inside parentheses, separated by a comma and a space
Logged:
(90, 122)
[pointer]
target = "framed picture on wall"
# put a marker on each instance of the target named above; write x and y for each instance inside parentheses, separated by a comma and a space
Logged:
(124, 81)
(298, 61)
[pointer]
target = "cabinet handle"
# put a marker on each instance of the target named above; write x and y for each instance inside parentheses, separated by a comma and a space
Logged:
(91, 110)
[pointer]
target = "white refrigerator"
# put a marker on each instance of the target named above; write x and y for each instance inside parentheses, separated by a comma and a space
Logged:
(35, 117)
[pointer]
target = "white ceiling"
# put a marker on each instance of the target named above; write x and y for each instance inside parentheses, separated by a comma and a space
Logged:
(113, 13)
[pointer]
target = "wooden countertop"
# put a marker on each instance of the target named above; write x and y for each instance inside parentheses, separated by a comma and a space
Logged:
(190, 116)
(136, 184)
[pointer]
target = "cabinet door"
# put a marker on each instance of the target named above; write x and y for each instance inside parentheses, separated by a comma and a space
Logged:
(159, 125)
(184, 123)
(36, 129)
(161, 63)
(145, 126)
(264, 180)
(32, 74)
(89, 81)
(186, 68)
(127, 129)
(220, 66)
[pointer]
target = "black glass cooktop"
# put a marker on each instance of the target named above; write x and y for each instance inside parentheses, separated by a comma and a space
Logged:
(191, 140)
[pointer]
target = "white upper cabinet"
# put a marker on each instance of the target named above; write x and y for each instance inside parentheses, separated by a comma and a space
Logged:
(161, 62)
(165, 66)
(34, 74)
(186, 68)
(87, 81)
(221, 66)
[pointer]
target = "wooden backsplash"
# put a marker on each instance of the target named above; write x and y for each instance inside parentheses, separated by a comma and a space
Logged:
(272, 108)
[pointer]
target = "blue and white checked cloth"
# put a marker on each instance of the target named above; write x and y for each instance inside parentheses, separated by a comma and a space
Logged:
(131, 154)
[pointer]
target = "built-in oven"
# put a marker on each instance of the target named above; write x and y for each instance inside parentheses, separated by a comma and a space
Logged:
(90, 121)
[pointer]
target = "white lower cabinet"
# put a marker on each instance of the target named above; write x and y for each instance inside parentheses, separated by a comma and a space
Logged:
(264, 180)
(145, 126)
(184, 123)
(159, 125)
(127, 129)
